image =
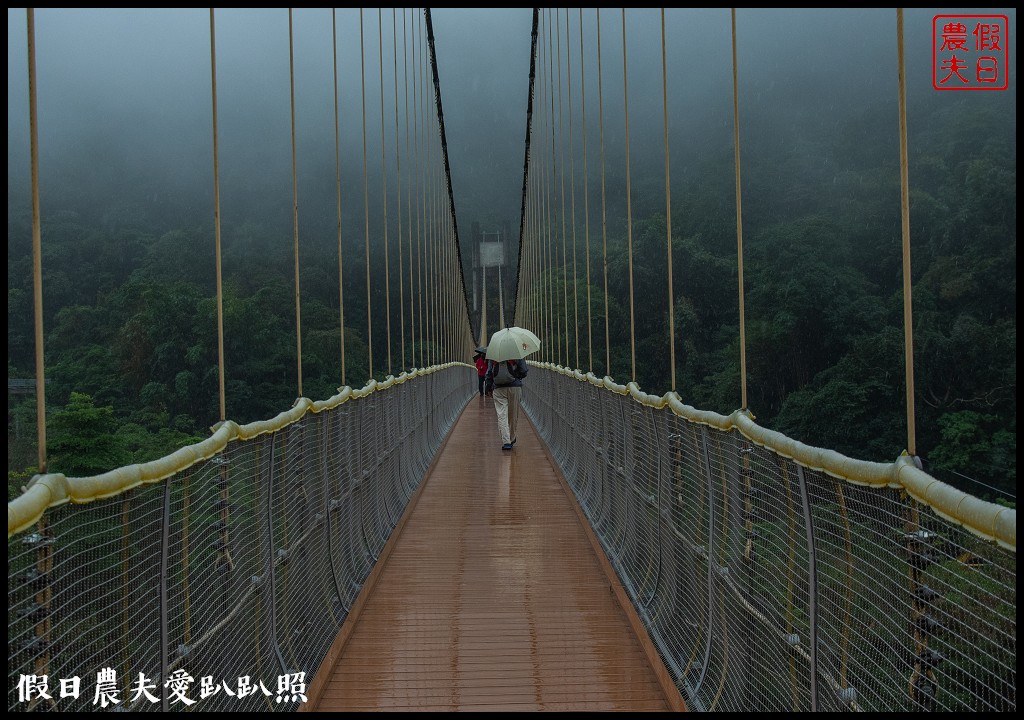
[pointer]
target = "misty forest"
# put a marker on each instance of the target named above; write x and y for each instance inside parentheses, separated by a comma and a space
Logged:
(127, 218)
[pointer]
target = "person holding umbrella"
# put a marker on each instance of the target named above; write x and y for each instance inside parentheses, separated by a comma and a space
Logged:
(506, 368)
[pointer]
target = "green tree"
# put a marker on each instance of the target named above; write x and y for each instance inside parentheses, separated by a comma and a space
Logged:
(978, 446)
(82, 439)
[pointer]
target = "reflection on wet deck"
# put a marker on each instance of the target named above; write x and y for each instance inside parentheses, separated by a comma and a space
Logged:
(492, 598)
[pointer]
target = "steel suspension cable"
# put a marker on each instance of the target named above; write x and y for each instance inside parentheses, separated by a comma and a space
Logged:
(604, 214)
(515, 309)
(572, 189)
(453, 292)
(432, 225)
(913, 516)
(549, 117)
(629, 204)
(456, 323)
(520, 279)
(908, 317)
(429, 236)
(540, 177)
(452, 289)
(446, 268)
(438, 247)
(295, 207)
(534, 244)
(384, 188)
(434, 273)
(398, 179)
(523, 303)
(337, 180)
(586, 197)
(448, 285)
(521, 300)
(527, 317)
(424, 188)
(553, 254)
(536, 153)
(222, 399)
(445, 279)
(561, 192)
(408, 189)
(536, 301)
(452, 216)
(442, 266)
(37, 252)
(366, 205)
(445, 228)
(535, 274)
(739, 218)
(540, 251)
(483, 306)
(216, 223)
(439, 282)
(501, 297)
(543, 302)
(668, 211)
(448, 289)
(417, 94)
(427, 229)
(539, 294)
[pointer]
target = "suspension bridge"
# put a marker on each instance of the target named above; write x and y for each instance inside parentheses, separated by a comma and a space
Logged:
(368, 552)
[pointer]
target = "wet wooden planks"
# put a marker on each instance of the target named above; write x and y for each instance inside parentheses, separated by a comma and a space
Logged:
(491, 598)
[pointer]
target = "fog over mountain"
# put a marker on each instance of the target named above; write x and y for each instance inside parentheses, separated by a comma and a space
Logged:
(127, 203)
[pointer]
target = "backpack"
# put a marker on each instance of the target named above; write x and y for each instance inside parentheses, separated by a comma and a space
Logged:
(503, 375)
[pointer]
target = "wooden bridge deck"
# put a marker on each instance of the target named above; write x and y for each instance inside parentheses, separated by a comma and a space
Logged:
(491, 598)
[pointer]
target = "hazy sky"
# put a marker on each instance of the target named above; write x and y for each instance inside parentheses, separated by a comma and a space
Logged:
(140, 79)
(133, 85)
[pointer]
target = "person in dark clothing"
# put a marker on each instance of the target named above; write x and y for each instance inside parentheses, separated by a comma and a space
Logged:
(504, 382)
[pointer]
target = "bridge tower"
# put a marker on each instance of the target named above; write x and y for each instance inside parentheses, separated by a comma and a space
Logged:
(489, 256)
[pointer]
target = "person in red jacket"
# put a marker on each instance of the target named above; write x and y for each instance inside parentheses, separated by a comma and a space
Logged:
(481, 370)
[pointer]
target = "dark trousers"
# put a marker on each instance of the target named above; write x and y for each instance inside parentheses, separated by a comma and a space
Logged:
(481, 377)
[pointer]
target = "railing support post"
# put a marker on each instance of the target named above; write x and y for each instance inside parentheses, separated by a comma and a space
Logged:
(711, 560)
(272, 558)
(812, 586)
(329, 506)
(165, 536)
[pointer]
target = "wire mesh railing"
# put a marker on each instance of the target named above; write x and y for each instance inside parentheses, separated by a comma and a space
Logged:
(221, 581)
(776, 577)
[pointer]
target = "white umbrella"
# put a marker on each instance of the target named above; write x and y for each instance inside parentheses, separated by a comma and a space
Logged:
(512, 343)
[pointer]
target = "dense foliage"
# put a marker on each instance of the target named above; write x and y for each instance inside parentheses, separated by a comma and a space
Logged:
(131, 347)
